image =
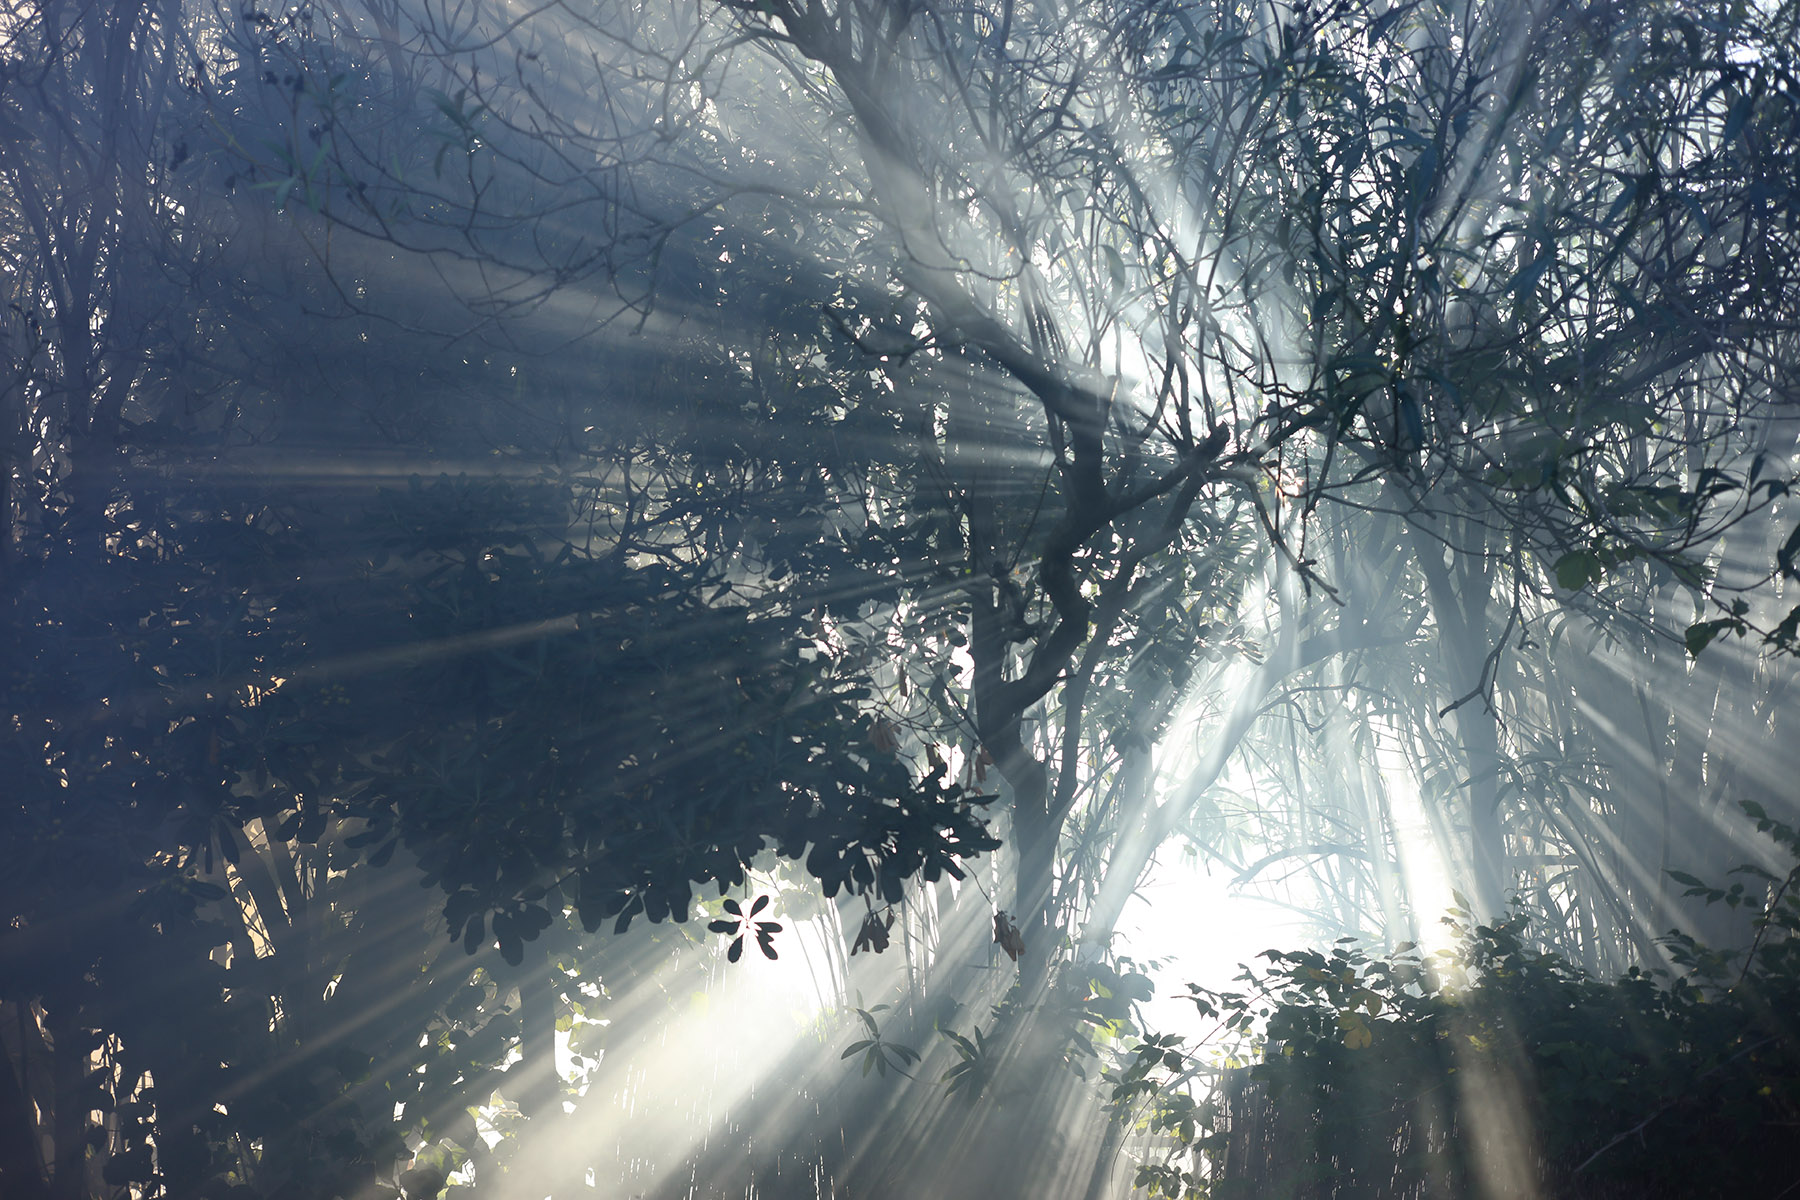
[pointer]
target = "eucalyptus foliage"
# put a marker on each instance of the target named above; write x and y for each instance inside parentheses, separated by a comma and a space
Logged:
(575, 457)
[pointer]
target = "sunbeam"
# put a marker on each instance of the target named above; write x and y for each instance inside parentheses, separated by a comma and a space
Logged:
(838, 600)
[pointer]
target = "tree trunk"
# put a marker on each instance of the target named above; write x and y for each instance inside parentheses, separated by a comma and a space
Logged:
(1459, 609)
(68, 1122)
(21, 1170)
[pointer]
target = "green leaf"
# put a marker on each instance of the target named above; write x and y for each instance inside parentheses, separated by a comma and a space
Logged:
(1700, 634)
(1576, 569)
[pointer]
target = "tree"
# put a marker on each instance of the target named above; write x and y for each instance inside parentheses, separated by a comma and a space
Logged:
(215, 753)
(1191, 300)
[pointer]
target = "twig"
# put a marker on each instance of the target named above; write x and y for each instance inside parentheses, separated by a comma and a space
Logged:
(1639, 1128)
(1763, 927)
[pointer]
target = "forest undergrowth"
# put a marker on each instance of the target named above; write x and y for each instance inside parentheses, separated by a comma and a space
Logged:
(1491, 1068)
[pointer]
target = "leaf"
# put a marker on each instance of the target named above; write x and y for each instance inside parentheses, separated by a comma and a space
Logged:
(1526, 279)
(1624, 200)
(1380, 25)
(1415, 422)
(1115, 267)
(737, 950)
(1701, 634)
(1007, 935)
(856, 1048)
(129, 1166)
(632, 908)
(1576, 569)
(1786, 636)
(423, 1182)
(1740, 113)
(1789, 550)
(762, 902)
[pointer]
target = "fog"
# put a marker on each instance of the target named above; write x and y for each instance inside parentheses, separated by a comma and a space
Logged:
(856, 599)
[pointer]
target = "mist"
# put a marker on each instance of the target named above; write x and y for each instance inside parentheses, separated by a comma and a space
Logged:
(822, 598)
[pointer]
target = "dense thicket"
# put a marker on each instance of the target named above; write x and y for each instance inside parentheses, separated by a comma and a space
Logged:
(1492, 1067)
